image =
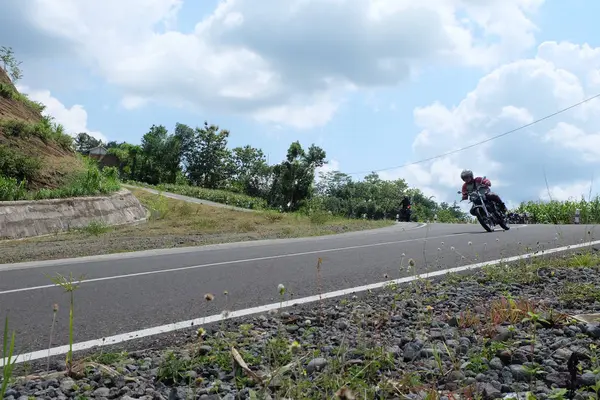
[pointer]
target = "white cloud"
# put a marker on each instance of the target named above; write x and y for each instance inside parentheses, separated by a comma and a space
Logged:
(332, 165)
(73, 119)
(286, 62)
(574, 191)
(564, 149)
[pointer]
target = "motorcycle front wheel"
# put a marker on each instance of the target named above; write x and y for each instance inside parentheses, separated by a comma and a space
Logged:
(484, 223)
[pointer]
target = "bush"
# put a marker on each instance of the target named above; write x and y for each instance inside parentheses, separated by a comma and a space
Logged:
(90, 182)
(8, 92)
(11, 189)
(13, 164)
(45, 130)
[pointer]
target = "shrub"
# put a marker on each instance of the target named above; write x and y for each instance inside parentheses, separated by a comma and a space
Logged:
(45, 130)
(13, 164)
(8, 92)
(89, 182)
(11, 189)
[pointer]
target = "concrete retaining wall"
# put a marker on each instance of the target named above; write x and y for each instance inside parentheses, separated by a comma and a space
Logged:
(20, 219)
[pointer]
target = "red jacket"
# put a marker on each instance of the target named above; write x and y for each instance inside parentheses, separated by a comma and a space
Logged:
(479, 180)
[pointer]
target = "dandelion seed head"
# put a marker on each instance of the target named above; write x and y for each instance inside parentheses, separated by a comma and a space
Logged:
(470, 243)
(281, 289)
(209, 297)
(452, 248)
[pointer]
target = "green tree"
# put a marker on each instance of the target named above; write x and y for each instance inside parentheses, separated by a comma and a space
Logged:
(161, 155)
(293, 178)
(10, 64)
(208, 158)
(249, 171)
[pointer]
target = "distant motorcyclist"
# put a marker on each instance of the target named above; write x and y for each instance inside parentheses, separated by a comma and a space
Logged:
(469, 185)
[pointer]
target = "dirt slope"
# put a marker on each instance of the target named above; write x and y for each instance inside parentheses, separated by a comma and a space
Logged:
(56, 163)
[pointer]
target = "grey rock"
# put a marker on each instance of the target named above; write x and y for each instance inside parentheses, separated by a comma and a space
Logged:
(588, 379)
(593, 330)
(204, 350)
(316, 364)
(503, 334)
(342, 325)
(411, 351)
(560, 379)
(489, 391)
(519, 372)
(563, 354)
(67, 385)
(101, 392)
(496, 363)
(455, 376)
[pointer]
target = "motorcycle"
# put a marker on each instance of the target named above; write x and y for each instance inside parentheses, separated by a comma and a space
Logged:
(486, 211)
(406, 214)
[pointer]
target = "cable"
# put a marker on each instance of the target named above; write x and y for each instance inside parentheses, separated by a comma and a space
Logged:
(478, 143)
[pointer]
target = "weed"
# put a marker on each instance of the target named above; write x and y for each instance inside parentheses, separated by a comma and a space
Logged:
(54, 312)
(69, 286)
(573, 292)
(110, 358)
(8, 347)
(96, 228)
(508, 310)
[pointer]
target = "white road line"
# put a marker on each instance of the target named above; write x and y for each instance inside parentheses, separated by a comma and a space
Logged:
(162, 271)
(157, 330)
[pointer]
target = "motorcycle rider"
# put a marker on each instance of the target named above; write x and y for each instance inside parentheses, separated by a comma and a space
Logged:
(469, 184)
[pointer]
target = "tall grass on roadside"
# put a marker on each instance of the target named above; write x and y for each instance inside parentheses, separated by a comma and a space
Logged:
(8, 348)
(46, 129)
(69, 286)
(562, 212)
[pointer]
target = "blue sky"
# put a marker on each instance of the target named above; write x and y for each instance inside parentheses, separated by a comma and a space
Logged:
(376, 84)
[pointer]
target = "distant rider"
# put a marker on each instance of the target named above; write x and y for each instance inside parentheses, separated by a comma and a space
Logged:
(469, 185)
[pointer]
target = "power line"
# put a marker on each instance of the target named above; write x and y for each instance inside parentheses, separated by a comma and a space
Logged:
(478, 143)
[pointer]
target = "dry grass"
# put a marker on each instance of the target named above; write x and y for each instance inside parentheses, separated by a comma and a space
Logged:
(175, 223)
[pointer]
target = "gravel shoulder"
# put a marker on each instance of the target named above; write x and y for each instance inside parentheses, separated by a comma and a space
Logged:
(501, 332)
(177, 223)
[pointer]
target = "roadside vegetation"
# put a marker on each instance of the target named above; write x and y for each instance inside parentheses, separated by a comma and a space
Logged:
(562, 212)
(175, 223)
(515, 331)
(37, 157)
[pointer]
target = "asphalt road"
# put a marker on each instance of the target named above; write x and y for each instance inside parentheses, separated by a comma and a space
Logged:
(169, 286)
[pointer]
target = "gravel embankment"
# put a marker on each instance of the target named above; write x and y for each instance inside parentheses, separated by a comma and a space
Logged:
(501, 332)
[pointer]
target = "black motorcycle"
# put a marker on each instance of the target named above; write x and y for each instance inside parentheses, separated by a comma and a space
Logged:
(405, 212)
(486, 211)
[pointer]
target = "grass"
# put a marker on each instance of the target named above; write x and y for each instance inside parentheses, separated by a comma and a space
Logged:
(175, 223)
(8, 92)
(45, 130)
(217, 196)
(562, 212)
(89, 182)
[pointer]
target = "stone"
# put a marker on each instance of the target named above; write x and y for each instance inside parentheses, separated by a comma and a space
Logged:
(316, 364)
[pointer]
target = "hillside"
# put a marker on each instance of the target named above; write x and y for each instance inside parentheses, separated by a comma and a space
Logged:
(32, 148)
